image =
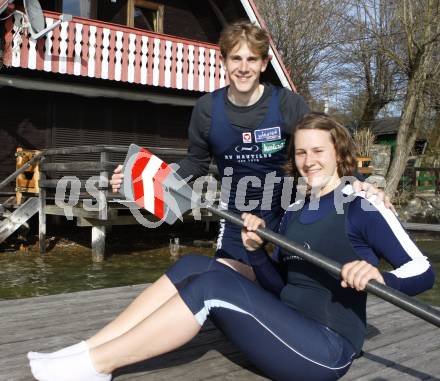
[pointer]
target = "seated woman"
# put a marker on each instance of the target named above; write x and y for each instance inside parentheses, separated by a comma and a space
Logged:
(302, 325)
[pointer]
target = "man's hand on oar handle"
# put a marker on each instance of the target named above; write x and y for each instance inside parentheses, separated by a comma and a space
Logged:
(117, 178)
(357, 274)
(251, 240)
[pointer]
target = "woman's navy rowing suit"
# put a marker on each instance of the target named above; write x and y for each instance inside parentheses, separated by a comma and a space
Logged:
(306, 327)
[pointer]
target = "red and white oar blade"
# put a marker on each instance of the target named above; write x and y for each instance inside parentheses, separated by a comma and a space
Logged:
(153, 185)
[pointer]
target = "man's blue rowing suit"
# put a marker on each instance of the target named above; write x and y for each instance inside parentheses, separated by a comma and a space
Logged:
(252, 158)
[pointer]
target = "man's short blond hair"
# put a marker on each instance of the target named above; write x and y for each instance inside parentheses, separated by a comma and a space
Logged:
(244, 31)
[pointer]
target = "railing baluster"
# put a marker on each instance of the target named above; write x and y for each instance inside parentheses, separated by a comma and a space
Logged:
(161, 67)
(85, 50)
(124, 56)
(92, 52)
(40, 54)
(49, 46)
(150, 62)
(144, 60)
(63, 47)
(191, 67)
(131, 57)
(201, 69)
(56, 51)
(195, 85)
(31, 53)
(105, 53)
(173, 64)
(118, 55)
(70, 48)
(98, 54)
(111, 58)
(24, 51)
(179, 66)
(77, 59)
(137, 59)
(156, 61)
(208, 73)
(167, 64)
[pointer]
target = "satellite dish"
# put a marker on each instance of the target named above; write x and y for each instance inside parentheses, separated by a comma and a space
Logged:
(33, 18)
(35, 15)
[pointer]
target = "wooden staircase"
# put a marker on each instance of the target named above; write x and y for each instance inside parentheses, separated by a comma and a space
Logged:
(11, 221)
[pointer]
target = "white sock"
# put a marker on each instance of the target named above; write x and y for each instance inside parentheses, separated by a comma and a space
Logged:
(76, 367)
(67, 351)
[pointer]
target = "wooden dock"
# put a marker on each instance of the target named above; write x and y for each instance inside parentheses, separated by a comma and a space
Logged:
(399, 346)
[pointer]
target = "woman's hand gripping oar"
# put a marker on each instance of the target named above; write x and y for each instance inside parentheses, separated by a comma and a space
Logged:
(156, 186)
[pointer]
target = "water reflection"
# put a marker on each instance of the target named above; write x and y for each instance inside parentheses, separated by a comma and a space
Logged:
(69, 268)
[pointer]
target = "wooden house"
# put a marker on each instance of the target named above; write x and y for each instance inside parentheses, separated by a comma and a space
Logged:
(120, 71)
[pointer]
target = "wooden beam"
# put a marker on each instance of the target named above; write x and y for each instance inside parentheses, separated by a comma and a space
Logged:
(99, 232)
(85, 149)
(79, 166)
(76, 211)
(89, 90)
(18, 218)
(421, 227)
(42, 217)
(98, 243)
(54, 183)
(119, 220)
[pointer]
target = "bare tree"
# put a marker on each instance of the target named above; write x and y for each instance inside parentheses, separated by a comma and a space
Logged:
(420, 24)
(373, 75)
(306, 32)
(433, 94)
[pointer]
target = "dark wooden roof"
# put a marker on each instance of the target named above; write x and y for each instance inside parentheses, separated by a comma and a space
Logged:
(385, 126)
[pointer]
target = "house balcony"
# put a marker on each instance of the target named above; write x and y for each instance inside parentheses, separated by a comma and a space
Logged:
(96, 49)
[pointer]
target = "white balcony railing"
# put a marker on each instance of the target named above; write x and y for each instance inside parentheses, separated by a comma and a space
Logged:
(95, 49)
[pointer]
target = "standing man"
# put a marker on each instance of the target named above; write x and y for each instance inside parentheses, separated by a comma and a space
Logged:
(246, 128)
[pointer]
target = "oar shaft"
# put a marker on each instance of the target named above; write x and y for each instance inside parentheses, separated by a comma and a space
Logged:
(393, 296)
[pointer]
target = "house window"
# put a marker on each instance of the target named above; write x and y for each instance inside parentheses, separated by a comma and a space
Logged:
(81, 8)
(146, 15)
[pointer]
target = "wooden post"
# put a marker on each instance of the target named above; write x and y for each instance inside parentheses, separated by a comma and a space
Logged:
(98, 232)
(414, 179)
(437, 180)
(42, 215)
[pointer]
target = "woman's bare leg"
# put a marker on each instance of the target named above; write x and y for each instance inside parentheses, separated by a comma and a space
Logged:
(168, 328)
(240, 267)
(145, 304)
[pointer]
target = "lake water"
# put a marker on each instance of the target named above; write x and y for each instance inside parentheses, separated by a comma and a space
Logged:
(68, 266)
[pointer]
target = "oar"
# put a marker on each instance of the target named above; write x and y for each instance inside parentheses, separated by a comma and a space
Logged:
(174, 184)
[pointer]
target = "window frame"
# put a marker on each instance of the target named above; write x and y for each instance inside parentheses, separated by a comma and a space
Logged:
(150, 5)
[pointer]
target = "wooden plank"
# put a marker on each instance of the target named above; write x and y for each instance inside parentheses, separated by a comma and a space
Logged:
(421, 366)
(18, 217)
(98, 243)
(76, 212)
(66, 183)
(79, 166)
(119, 220)
(395, 353)
(85, 149)
(99, 232)
(400, 346)
(161, 151)
(421, 227)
